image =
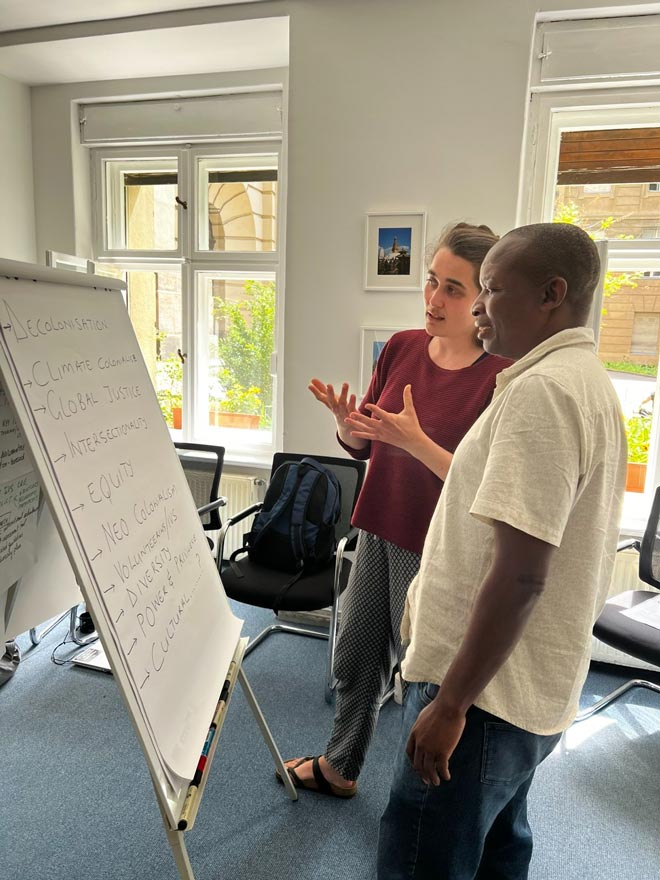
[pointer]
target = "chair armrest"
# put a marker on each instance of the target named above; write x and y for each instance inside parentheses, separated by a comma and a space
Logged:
(351, 539)
(237, 517)
(232, 521)
(629, 542)
(212, 505)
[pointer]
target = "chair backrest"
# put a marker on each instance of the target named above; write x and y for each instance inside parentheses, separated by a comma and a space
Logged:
(348, 471)
(649, 554)
(202, 465)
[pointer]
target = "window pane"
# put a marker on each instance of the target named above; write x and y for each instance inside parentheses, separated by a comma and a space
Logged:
(154, 304)
(239, 316)
(629, 348)
(629, 336)
(142, 213)
(645, 332)
(238, 203)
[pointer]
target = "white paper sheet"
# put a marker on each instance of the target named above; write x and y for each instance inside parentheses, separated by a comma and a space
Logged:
(19, 505)
(121, 490)
(647, 612)
(19, 501)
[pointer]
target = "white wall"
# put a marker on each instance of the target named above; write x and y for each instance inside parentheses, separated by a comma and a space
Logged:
(392, 106)
(17, 237)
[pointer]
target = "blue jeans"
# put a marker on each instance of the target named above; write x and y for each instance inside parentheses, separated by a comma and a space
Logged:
(473, 827)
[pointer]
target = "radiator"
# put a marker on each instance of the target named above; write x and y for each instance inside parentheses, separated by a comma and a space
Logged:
(240, 490)
(624, 577)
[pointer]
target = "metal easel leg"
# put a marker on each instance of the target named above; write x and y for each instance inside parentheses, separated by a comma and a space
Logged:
(268, 737)
(176, 842)
(178, 845)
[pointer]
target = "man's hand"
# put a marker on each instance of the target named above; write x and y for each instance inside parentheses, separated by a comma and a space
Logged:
(432, 741)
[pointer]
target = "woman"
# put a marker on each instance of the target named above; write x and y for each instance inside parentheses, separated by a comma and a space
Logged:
(410, 450)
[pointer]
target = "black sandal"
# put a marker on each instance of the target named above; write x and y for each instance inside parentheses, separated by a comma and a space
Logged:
(319, 784)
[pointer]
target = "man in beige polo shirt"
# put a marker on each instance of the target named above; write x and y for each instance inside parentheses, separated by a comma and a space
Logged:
(515, 569)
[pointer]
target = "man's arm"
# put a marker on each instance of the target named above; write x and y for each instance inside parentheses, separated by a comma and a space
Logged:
(515, 580)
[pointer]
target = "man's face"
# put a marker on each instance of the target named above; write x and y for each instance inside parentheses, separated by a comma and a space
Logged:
(508, 314)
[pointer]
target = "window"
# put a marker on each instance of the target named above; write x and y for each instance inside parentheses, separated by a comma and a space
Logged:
(194, 231)
(645, 332)
(239, 211)
(594, 123)
(141, 207)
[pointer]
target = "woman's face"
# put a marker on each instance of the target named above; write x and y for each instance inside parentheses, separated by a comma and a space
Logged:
(449, 292)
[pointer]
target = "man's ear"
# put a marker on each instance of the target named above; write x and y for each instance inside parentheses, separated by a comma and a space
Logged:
(554, 293)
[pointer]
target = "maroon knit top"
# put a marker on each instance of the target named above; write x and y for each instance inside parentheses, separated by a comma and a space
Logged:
(400, 493)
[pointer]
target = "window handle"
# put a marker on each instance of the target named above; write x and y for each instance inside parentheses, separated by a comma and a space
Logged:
(182, 355)
(181, 202)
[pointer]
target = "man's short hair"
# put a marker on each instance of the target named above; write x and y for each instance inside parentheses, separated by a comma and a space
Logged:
(565, 250)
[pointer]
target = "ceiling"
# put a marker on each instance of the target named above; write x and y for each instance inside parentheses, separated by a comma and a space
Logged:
(212, 47)
(16, 14)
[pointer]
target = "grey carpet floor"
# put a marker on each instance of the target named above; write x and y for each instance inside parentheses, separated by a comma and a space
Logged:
(76, 798)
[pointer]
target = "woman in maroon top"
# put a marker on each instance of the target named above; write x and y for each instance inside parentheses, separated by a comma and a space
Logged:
(410, 447)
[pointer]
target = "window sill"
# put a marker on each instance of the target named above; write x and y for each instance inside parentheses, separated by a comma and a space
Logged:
(636, 509)
(249, 460)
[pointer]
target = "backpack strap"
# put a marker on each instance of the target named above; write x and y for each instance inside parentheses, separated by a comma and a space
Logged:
(235, 567)
(277, 602)
(331, 496)
(299, 509)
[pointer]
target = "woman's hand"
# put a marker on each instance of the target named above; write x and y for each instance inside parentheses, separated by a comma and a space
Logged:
(341, 406)
(398, 429)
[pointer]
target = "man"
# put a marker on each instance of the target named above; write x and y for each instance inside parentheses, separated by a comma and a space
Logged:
(515, 569)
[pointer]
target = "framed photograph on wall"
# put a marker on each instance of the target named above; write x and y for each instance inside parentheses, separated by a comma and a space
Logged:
(372, 342)
(394, 251)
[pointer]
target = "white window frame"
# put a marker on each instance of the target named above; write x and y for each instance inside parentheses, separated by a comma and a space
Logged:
(247, 264)
(102, 249)
(603, 99)
(230, 152)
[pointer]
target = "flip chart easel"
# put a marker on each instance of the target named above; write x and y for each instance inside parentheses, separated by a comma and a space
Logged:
(83, 399)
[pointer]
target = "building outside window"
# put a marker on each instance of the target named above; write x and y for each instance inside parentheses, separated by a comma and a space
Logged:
(628, 212)
(592, 157)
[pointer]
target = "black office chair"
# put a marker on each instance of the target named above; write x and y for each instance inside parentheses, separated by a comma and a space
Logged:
(623, 633)
(261, 586)
(202, 466)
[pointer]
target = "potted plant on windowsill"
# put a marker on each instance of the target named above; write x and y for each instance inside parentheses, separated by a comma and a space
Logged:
(240, 408)
(169, 383)
(638, 431)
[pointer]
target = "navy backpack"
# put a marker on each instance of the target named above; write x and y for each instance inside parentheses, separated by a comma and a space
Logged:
(295, 529)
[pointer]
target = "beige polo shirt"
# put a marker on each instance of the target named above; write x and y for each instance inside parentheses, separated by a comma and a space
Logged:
(547, 457)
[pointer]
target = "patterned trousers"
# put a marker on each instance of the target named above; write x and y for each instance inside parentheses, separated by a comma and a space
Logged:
(369, 646)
